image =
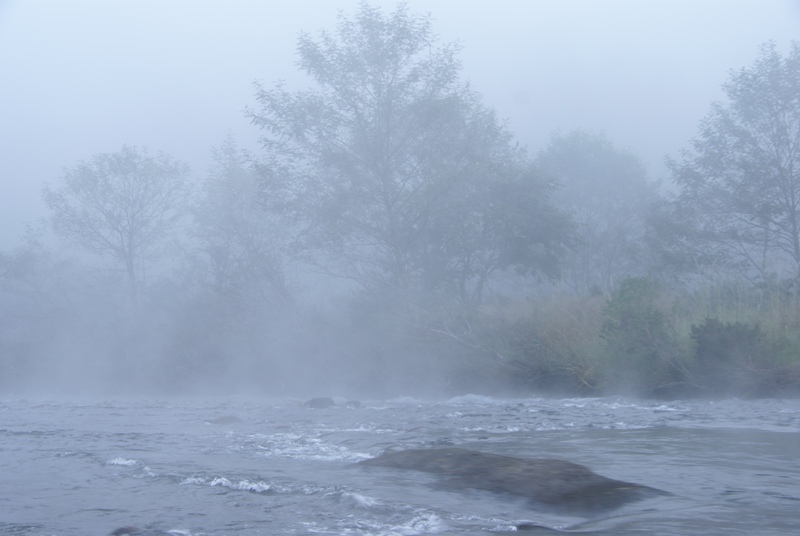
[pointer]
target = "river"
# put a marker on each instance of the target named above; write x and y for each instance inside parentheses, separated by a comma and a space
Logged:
(241, 466)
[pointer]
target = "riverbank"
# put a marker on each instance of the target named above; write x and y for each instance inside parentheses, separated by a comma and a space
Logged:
(644, 340)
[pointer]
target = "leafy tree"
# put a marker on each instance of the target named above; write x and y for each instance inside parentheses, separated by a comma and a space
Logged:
(395, 173)
(241, 240)
(123, 205)
(607, 192)
(738, 200)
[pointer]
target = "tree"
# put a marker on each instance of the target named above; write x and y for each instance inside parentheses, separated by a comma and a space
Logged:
(241, 240)
(123, 205)
(607, 193)
(738, 200)
(390, 165)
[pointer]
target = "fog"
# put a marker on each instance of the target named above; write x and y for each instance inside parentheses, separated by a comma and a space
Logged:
(83, 78)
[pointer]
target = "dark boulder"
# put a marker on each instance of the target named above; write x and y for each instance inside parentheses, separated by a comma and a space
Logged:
(558, 484)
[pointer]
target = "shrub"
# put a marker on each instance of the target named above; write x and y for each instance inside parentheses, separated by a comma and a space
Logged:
(724, 355)
(550, 346)
(740, 359)
(640, 349)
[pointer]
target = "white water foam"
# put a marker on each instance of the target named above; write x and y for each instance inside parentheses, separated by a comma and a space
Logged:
(243, 485)
(121, 461)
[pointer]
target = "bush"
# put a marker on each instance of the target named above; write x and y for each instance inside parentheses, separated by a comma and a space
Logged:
(740, 359)
(641, 351)
(550, 346)
(725, 355)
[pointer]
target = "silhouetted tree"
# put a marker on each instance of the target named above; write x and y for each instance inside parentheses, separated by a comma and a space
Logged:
(738, 200)
(393, 170)
(123, 205)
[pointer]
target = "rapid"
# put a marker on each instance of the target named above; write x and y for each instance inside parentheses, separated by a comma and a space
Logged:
(240, 466)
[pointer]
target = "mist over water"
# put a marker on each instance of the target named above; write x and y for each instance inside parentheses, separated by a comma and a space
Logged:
(245, 246)
(440, 222)
(255, 466)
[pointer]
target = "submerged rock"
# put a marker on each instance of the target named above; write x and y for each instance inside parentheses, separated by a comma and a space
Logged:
(224, 419)
(327, 402)
(558, 484)
(319, 403)
(126, 530)
(137, 531)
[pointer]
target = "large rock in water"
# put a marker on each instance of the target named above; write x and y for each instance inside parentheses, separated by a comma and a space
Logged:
(559, 484)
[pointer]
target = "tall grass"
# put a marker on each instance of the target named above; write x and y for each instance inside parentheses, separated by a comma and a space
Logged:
(719, 338)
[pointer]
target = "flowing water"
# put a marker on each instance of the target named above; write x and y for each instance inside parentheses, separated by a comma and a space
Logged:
(242, 466)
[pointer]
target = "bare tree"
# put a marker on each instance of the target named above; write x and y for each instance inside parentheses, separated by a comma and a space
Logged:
(123, 205)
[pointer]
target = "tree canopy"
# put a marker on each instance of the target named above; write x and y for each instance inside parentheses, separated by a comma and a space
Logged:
(241, 241)
(738, 200)
(396, 174)
(607, 192)
(122, 205)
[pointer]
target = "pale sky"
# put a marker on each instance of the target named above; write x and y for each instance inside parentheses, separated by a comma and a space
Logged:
(79, 77)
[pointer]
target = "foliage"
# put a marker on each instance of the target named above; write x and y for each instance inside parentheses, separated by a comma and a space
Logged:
(738, 203)
(639, 340)
(395, 173)
(123, 205)
(240, 240)
(726, 354)
(392, 173)
(607, 192)
(551, 346)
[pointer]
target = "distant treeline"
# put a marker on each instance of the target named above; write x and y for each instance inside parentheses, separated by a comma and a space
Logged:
(391, 236)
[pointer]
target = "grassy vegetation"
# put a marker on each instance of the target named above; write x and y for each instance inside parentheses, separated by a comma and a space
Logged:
(719, 339)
